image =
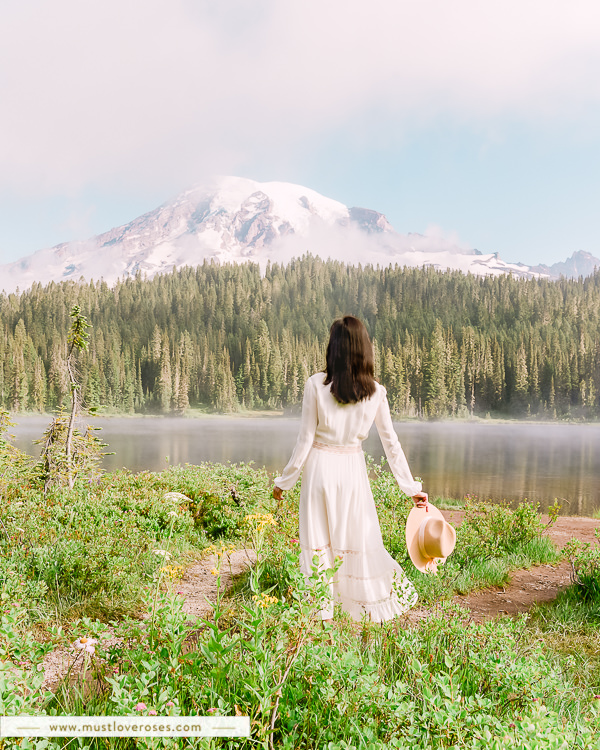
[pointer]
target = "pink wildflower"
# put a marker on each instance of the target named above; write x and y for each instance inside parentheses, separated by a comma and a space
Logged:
(140, 707)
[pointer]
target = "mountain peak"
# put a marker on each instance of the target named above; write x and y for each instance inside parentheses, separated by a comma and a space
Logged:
(581, 263)
(369, 220)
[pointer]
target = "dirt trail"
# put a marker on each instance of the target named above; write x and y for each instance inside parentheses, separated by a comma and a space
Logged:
(199, 586)
(541, 583)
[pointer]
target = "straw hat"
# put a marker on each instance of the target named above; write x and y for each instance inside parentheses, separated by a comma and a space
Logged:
(429, 538)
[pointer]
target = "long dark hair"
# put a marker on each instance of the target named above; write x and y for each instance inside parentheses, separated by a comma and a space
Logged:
(350, 361)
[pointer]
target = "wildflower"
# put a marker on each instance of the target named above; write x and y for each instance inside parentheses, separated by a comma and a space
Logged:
(211, 710)
(140, 707)
(214, 572)
(260, 520)
(172, 571)
(85, 644)
(163, 552)
(512, 726)
(294, 541)
(169, 704)
(152, 712)
(264, 600)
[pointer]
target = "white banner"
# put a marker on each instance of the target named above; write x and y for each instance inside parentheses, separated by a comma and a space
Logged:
(124, 726)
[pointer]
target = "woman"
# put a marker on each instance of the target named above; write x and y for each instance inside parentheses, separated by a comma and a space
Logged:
(338, 518)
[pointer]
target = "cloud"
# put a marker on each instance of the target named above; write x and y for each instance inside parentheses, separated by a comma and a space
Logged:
(165, 92)
(352, 245)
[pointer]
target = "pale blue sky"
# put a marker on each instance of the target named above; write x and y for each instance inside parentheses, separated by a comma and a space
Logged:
(480, 119)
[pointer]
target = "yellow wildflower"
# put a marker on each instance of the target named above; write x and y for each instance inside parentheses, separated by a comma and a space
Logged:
(220, 550)
(258, 521)
(172, 571)
(264, 600)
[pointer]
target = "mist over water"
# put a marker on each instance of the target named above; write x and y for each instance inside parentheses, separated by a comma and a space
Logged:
(507, 461)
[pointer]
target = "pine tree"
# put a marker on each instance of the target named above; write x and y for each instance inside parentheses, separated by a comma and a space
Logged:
(164, 390)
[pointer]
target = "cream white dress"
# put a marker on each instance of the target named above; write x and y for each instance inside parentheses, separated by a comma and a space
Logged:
(337, 511)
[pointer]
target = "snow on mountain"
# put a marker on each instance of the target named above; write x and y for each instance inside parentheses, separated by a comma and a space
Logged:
(232, 219)
(236, 220)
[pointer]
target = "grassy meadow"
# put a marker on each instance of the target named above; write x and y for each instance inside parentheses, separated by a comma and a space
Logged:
(106, 555)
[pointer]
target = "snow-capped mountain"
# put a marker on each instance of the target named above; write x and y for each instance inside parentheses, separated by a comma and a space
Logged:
(235, 220)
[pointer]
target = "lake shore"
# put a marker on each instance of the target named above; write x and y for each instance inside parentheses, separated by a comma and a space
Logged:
(492, 460)
(198, 414)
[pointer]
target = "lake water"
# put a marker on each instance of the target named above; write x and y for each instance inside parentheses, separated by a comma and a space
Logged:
(512, 461)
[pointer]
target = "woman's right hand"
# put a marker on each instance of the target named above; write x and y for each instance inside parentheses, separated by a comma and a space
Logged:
(278, 493)
(420, 500)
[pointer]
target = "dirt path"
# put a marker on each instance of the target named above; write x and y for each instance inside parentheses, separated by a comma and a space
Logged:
(199, 586)
(541, 583)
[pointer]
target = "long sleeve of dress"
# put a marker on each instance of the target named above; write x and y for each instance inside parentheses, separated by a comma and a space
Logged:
(306, 436)
(393, 450)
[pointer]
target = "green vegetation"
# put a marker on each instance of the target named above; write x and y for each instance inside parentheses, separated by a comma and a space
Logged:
(91, 551)
(569, 625)
(110, 549)
(225, 338)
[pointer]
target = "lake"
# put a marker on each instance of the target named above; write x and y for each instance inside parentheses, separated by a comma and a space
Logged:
(496, 461)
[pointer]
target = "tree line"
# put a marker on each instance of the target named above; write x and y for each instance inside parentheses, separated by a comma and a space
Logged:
(226, 337)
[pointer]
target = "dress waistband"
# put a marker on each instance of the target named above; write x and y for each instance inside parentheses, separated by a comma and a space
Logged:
(337, 448)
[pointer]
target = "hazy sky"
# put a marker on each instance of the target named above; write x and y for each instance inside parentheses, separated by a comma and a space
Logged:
(478, 118)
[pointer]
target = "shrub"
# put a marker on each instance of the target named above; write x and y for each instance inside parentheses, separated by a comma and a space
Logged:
(585, 569)
(491, 530)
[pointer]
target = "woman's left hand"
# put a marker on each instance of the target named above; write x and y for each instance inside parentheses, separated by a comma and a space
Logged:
(278, 493)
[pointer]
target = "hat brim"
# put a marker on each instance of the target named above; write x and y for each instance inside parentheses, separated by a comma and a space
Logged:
(413, 522)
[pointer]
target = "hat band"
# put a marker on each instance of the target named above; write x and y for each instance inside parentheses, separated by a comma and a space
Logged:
(421, 539)
(438, 555)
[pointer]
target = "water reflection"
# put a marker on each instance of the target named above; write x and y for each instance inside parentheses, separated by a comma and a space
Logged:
(540, 462)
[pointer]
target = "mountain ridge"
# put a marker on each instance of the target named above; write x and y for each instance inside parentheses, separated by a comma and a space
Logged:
(235, 219)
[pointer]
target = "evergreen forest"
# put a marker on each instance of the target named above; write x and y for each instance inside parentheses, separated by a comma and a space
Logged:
(228, 337)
